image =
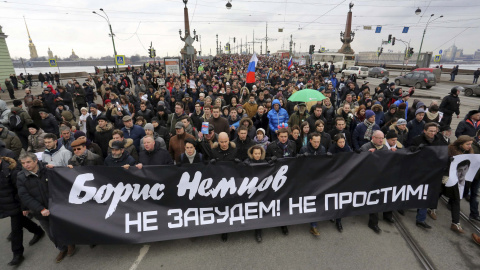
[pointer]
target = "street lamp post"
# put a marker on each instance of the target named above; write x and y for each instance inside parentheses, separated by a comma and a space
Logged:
(424, 31)
(111, 33)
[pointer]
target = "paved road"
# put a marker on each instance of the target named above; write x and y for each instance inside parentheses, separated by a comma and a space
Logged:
(356, 248)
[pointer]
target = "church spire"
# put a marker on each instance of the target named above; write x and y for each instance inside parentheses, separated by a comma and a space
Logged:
(31, 46)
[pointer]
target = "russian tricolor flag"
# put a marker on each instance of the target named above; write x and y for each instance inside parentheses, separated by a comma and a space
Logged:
(290, 63)
(251, 69)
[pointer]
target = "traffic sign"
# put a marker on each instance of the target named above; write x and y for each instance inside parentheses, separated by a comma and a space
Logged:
(53, 62)
(437, 58)
(378, 29)
(322, 49)
(405, 29)
(120, 59)
(440, 52)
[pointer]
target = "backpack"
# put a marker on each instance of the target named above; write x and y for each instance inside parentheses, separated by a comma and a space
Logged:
(15, 122)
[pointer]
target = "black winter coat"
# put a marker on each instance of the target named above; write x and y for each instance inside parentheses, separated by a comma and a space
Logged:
(196, 159)
(450, 105)
(92, 125)
(119, 162)
(33, 190)
(103, 137)
(242, 147)
(310, 151)
(9, 200)
(50, 125)
(221, 155)
(158, 156)
(274, 149)
(260, 121)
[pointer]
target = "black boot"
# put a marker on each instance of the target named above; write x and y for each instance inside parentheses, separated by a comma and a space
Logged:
(224, 237)
(9, 237)
(17, 260)
(339, 226)
(284, 230)
(258, 235)
(35, 238)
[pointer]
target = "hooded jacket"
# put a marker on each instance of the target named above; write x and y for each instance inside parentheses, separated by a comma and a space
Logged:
(252, 131)
(467, 126)
(25, 118)
(11, 141)
(276, 118)
(251, 160)
(35, 142)
(103, 136)
(4, 113)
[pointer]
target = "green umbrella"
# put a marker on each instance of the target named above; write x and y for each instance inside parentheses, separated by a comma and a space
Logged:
(307, 95)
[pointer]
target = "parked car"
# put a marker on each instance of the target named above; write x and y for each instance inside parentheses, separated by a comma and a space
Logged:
(436, 71)
(358, 70)
(417, 79)
(471, 90)
(377, 72)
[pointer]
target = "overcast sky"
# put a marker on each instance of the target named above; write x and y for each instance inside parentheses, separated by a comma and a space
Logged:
(67, 25)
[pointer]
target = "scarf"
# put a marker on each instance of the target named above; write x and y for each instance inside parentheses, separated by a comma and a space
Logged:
(82, 158)
(369, 131)
(190, 158)
(379, 147)
(432, 116)
(284, 147)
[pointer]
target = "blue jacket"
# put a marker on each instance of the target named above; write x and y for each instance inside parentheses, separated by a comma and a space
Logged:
(275, 118)
(136, 134)
(334, 82)
(415, 128)
(358, 133)
(400, 101)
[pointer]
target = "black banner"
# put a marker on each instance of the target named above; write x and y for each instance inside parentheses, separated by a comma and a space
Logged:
(106, 205)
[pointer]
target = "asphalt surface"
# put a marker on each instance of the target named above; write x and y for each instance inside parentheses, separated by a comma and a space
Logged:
(357, 247)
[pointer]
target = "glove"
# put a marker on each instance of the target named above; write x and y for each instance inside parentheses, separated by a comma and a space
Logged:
(421, 146)
(274, 158)
(213, 161)
(237, 160)
(301, 155)
(329, 154)
(357, 151)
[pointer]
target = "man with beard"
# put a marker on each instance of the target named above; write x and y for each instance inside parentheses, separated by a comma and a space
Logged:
(299, 116)
(251, 106)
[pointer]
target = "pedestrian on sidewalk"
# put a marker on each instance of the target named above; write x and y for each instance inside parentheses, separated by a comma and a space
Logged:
(10, 88)
(476, 74)
(453, 73)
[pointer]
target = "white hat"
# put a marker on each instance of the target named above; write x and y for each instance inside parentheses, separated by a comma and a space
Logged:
(261, 130)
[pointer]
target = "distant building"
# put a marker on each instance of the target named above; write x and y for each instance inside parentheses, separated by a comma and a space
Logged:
(450, 54)
(73, 56)
(476, 55)
(50, 53)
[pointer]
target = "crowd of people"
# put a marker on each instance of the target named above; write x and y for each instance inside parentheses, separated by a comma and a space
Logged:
(208, 113)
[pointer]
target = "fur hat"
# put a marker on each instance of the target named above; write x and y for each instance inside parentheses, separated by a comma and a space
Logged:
(391, 134)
